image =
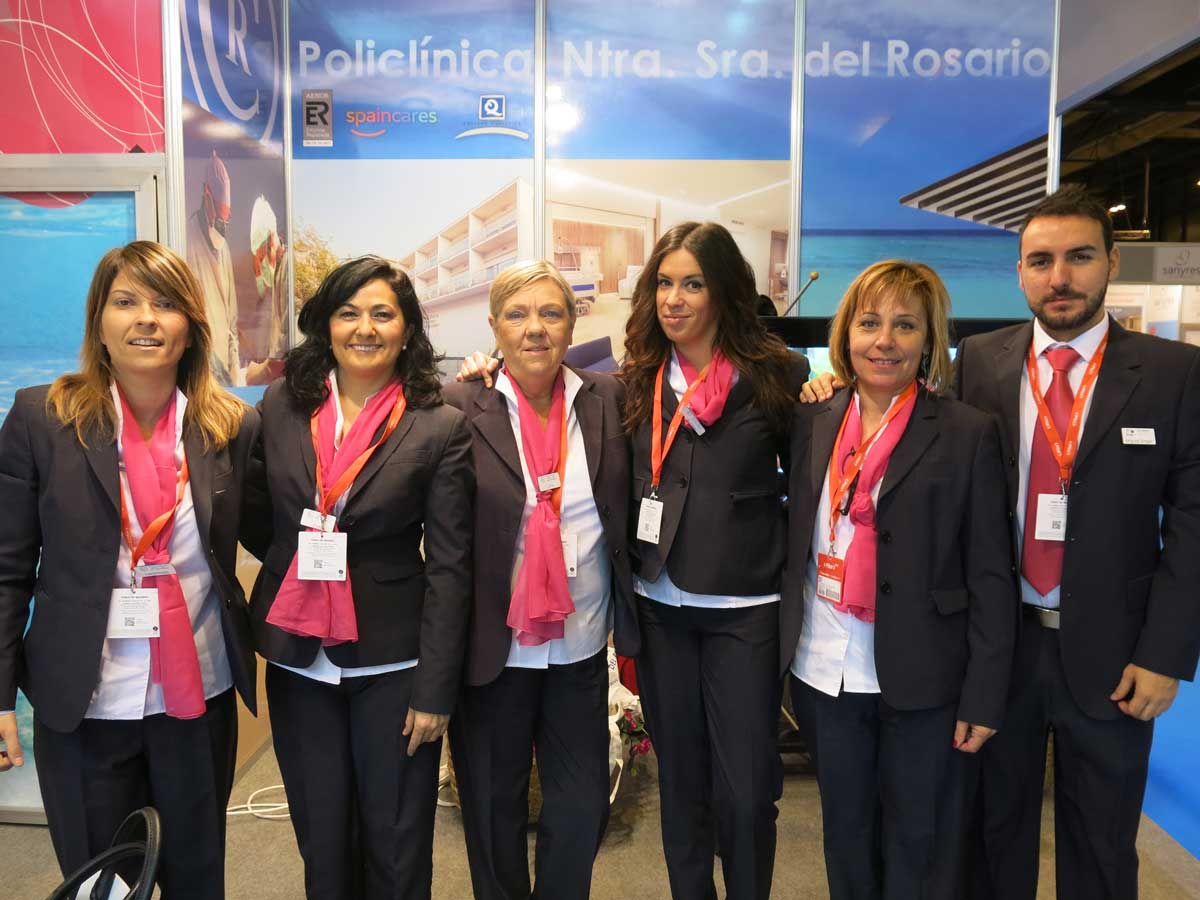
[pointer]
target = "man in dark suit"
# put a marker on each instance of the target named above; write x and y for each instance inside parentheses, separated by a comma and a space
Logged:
(1100, 431)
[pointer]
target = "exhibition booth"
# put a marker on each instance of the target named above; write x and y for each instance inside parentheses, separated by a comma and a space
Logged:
(268, 139)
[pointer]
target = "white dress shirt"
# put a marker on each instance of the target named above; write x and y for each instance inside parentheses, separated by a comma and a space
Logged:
(666, 591)
(322, 668)
(585, 632)
(124, 689)
(1086, 346)
(836, 650)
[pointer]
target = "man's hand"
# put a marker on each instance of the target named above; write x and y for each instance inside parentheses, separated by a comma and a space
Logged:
(476, 366)
(820, 389)
(1152, 693)
(970, 738)
(424, 727)
(11, 754)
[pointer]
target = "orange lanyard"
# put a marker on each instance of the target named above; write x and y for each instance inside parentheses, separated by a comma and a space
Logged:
(328, 499)
(154, 529)
(658, 448)
(1064, 451)
(840, 487)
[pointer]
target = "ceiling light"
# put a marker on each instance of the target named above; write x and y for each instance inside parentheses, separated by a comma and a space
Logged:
(1120, 207)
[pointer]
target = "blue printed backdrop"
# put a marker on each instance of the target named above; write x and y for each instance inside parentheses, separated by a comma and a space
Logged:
(418, 82)
(899, 95)
(233, 63)
(670, 79)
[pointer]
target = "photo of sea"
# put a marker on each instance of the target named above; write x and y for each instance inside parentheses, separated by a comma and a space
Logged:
(49, 247)
(47, 255)
(978, 266)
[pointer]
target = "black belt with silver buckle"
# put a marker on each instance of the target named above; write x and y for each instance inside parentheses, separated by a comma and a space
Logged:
(1047, 618)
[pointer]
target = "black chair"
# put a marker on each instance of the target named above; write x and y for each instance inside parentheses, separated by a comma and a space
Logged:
(126, 847)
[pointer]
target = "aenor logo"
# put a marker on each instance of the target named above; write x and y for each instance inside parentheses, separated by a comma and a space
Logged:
(317, 111)
(371, 123)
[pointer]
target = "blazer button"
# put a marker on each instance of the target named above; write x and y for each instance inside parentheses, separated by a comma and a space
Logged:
(617, 553)
(347, 521)
(604, 511)
(683, 481)
(1012, 460)
(885, 587)
(885, 536)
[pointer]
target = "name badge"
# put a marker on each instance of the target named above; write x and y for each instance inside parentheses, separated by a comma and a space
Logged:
(133, 613)
(321, 556)
(311, 518)
(144, 571)
(696, 424)
(1051, 524)
(1141, 437)
(649, 520)
(550, 482)
(830, 575)
(570, 545)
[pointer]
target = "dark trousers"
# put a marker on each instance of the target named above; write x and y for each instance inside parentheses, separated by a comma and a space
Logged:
(1100, 768)
(95, 776)
(893, 795)
(362, 809)
(710, 693)
(561, 711)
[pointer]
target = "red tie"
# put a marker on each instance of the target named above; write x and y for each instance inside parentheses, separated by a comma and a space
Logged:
(1041, 561)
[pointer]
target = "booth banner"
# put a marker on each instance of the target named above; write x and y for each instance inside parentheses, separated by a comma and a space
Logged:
(82, 76)
(685, 117)
(669, 79)
(376, 79)
(234, 181)
(901, 95)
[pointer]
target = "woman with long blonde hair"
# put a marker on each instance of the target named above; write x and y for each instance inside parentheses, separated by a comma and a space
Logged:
(121, 491)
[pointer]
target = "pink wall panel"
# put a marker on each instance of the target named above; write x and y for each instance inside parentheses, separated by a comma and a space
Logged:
(81, 76)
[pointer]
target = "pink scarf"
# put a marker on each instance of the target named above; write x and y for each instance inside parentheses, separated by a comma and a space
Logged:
(325, 609)
(153, 485)
(858, 588)
(541, 601)
(709, 400)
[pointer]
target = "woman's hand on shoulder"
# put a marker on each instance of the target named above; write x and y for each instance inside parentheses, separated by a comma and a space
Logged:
(478, 366)
(821, 388)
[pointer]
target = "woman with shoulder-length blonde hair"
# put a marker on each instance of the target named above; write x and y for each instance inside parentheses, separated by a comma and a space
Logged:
(899, 610)
(121, 486)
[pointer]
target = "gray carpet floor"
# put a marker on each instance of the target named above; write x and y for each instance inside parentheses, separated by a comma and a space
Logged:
(263, 863)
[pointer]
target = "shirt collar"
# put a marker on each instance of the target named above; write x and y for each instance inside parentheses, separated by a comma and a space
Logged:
(571, 385)
(180, 405)
(1085, 344)
(337, 404)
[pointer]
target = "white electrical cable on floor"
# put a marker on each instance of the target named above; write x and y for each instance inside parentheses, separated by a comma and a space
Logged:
(263, 810)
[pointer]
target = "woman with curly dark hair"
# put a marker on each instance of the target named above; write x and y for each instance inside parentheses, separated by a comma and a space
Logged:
(358, 462)
(709, 395)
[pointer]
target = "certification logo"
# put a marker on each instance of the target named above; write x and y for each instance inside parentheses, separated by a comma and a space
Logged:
(492, 107)
(317, 109)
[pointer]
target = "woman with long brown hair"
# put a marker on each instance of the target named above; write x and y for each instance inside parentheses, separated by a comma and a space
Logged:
(709, 396)
(121, 491)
